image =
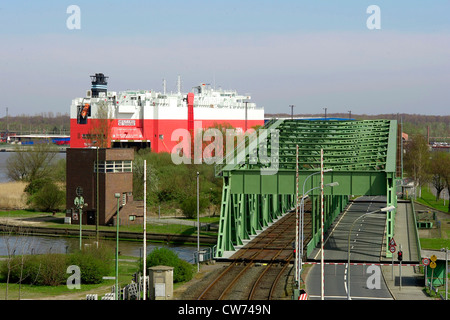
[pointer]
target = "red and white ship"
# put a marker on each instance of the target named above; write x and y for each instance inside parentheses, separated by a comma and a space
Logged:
(146, 118)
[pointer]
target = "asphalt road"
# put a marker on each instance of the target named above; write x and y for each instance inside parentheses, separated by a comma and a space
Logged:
(366, 283)
(366, 239)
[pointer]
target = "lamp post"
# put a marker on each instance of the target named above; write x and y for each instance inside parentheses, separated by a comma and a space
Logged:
(299, 255)
(198, 225)
(79, 203)
(385, 209)
(145, 231)
(302, 203)
(116, 289)
(446, 272)
(299, 249)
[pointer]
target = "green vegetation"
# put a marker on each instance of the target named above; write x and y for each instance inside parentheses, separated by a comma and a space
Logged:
(44, 175)
(51, 269)
(429, 200)
(175, 186)
(182, 272)
(40, 276)
(424, 166)
(434, 243)
(13, 290)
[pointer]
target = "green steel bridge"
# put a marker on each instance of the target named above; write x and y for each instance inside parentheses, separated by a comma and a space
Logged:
(260, 176)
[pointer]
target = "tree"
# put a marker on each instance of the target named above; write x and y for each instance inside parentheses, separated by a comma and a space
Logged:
(100, 133)
(49, 198)
(416, 161)
(27, 164)
(439, 171)
(442, 166)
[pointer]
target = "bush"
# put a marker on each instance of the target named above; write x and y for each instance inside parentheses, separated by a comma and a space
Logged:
(48, 198)
(182, 272)
(189, 206)
(94, 263)
(37, 184)
(46, 269)
(51, 269)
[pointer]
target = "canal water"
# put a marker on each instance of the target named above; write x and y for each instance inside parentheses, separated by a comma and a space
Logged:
(40, 244)
(19, 244)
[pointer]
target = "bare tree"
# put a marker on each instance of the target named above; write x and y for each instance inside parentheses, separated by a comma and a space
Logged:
(100, 133)
(438, 170)
(416, 161)
(30, 163)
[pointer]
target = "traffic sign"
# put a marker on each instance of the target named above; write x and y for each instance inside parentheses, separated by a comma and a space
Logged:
(303, 295)
(392, 242)
(392, 249)
(433, 258)
(79, 191)
(425, 261)
(432, 265)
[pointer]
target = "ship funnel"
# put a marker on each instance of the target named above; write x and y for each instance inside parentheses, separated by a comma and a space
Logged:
(99, 84)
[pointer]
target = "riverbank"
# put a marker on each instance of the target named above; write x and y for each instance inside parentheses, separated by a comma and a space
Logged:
(49, 225)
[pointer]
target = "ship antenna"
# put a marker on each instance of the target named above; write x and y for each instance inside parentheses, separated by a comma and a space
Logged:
(179, 84)
(164, 86)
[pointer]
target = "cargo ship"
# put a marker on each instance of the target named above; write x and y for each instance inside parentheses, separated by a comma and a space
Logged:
(147, 118)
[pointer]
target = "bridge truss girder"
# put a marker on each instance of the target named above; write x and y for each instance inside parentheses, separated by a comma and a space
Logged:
(362, 155)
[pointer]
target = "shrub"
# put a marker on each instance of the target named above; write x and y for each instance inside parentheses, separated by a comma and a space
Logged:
(46, 269)
(189, 206)
(51, 269)
(183, 271)
(37, 184)
(94, 263)
(48, 198)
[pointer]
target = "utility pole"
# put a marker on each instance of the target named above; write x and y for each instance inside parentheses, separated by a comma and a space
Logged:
(198, 225)
(145, 231)
(292, 111)
(116, 287)
(322, 265)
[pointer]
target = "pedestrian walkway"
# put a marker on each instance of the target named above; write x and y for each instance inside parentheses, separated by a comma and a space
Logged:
(411, 283)
(405, 233)
(411, 286)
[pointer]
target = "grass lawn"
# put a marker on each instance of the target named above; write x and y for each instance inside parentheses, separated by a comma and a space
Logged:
(429, 199)
(127, 266)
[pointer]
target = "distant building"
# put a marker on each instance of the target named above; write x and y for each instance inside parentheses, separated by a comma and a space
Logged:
(404, 136)
(115, 175)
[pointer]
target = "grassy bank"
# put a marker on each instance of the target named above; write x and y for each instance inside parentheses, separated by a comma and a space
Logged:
(160, 226)
(429, 200)
(127, 266)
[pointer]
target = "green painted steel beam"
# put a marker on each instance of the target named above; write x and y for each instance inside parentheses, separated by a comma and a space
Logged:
(362, 155)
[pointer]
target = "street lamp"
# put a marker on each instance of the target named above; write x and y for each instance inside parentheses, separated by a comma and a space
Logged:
(198, 224)
(299, 251)
(117, 196)
(446, 272)
(302, 204)
(385, 209)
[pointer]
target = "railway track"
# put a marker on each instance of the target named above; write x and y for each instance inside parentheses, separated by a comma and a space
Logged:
(256, 270)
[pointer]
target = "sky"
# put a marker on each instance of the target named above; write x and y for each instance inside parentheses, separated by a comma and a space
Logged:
(310, 54)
